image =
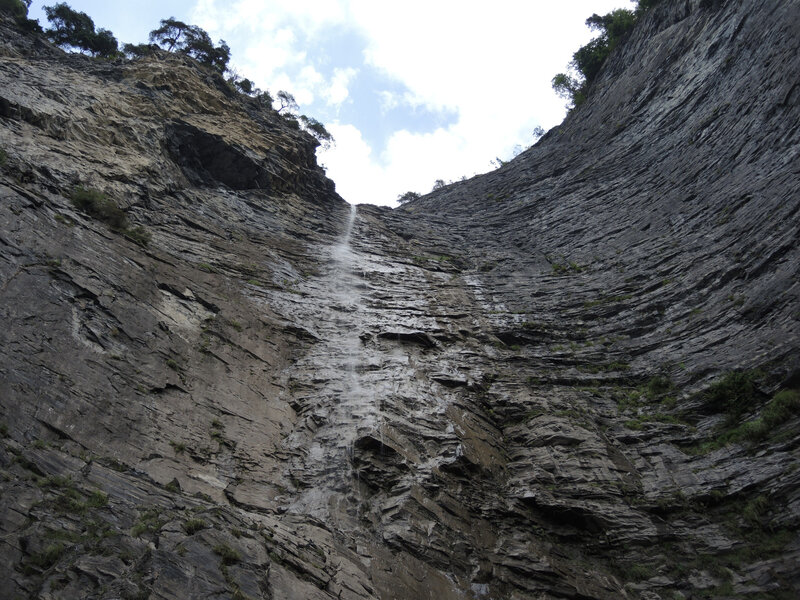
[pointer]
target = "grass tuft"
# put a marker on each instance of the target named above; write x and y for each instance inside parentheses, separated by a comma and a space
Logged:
(101, 207)
(229, 555)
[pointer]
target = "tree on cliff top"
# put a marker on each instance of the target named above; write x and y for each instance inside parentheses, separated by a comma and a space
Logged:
(317, 129)
(18, 11)
(408, 197)
(287, 101)
(73, 29)
(588, 60)
(16, 8)
(191, 40)
(170, 34)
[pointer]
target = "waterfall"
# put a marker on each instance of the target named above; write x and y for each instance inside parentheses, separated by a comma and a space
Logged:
(349, 302)
(349, 229)
(342, 410)
(342, 253)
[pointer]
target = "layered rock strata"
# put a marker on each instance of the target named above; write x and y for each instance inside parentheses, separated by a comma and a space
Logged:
(498, 391)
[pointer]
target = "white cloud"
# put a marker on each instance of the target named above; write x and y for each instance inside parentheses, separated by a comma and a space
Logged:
(411, 162)
(388, 100)
(338, 90)
(491, 64)
(306, 84)
(352, 161)
(267, 56)
(260, 15)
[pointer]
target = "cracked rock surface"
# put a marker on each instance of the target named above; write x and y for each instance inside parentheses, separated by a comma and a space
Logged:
(573, 377)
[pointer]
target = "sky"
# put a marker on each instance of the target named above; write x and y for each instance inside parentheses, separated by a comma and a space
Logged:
(411, 91)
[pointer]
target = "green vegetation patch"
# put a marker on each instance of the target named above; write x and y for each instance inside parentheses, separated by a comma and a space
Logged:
(638, 423)
(229, 555)
(192, 526)
(149, 522)
(566, 268)
(68, 498)
(15, 8)
(640, 572)
(734, 394)
(73, 29)
(587, 62)
(138, 235)
(781, 408)
(648, 402)
(96, 204)
(607, 300)
(99, 206)
(657, 387)
(41, 561)
(97, 499)
(18, 10)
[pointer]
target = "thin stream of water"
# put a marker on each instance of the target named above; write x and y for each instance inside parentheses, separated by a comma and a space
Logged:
(350, 410)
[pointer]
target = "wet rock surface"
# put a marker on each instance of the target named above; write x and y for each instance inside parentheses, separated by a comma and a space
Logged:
(497, 391)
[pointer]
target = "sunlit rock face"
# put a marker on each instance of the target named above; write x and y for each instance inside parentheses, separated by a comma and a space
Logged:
(505, 389)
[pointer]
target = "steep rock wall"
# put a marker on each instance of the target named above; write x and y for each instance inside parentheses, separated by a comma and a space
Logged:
(494, 392)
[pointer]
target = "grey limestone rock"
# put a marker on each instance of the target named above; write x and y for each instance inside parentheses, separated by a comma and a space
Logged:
(499, 390)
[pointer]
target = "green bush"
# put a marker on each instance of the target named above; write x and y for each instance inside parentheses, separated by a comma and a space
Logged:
(780, 409)
(639, 572)
(97, 499)
(734, 394)
(138, 235)
(149, 522)
(588, 60)
(46, 558)
(192, 526)
(658, 386)
(754, 509)
(229, 555)
(784, 406)
(264, 99)
(18, 10)
(100, 206)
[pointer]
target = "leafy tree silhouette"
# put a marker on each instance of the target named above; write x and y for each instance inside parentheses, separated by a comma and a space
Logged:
(191, 40)
(73, 29)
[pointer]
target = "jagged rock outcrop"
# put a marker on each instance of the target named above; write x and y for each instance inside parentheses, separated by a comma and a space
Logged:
(496, 391)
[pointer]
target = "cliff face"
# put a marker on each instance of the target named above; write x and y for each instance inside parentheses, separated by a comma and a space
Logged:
(496, 391)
